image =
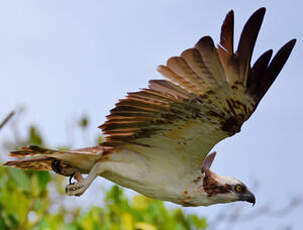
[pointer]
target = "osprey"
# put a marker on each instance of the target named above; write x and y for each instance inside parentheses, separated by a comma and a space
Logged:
(158, 139)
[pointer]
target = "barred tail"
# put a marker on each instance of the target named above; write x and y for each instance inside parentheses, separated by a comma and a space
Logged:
(62, 162)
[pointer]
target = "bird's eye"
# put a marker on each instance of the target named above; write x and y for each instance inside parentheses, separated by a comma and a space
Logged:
(239, 188)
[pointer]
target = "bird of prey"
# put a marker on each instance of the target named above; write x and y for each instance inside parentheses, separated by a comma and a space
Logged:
(158, 139)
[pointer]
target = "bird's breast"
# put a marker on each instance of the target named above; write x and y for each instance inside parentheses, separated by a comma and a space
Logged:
(151, 176)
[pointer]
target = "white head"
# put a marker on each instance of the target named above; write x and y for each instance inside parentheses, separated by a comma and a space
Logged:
(223, 189)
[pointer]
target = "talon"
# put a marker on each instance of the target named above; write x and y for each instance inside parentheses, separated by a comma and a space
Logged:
(78, 187)
(74, 189)
(70, 178)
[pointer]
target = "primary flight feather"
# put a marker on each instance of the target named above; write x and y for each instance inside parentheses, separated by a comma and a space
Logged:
(158, 139)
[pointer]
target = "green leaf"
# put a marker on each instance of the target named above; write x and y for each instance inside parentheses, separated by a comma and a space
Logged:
(19, 178)
(44, 225)
(2, 224)
(198, 222)
(34, 137)
(43, 179)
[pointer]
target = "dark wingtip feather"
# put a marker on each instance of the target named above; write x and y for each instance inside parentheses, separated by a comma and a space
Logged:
(250, 32)
(248, 39)
(275, 68)
(227, 32)
(257, 71)
(261, 10)
(264, 58)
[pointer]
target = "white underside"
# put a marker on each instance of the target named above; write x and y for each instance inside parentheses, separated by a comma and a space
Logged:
(167, 169)
(164, 178)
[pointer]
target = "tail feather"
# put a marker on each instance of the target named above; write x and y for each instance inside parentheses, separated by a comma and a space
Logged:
(37, 158)
(41, 163)
(33, 150)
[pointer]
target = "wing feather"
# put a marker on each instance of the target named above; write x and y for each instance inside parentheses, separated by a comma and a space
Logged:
(226, 49)
(194, 61)
(180, 67)
(210, 58)
(177, 79)
(227, 33)
(209, 93)
(275, 67)
(247, 42)
(166, 88)
(257, 71)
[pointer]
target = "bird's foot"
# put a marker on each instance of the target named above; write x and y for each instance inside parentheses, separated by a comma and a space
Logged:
(76, 189)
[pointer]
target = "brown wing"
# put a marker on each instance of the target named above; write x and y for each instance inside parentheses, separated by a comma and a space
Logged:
(208, 94)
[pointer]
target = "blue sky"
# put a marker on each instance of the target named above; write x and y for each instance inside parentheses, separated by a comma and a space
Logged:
(62, 59)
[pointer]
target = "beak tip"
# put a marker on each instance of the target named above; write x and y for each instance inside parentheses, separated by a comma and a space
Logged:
(249, 197)
(252, 200)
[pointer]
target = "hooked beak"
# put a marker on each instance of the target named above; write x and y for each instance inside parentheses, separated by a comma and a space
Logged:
(249, 197)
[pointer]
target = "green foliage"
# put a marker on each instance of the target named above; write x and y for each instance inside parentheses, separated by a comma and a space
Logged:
(25, 193)
(25, 204)
(34, 138)
(20, 193)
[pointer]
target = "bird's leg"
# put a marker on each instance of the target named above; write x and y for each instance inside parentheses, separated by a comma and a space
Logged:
(77, 189)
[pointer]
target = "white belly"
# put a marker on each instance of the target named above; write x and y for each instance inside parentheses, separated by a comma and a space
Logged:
(155, 176)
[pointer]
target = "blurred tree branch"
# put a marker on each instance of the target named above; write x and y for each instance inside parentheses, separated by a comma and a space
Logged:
(6, 119)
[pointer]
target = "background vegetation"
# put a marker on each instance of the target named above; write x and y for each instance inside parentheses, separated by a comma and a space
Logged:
(25, 203)
(35, 200)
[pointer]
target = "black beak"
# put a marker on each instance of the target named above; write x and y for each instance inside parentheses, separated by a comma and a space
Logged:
(249, 197)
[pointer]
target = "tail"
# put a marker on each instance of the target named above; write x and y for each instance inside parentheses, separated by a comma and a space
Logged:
(62, 162)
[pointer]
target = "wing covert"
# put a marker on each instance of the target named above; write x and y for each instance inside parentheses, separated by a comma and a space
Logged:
(209, 92)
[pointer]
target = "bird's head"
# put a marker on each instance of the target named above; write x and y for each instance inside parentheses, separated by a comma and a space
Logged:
(223, 189)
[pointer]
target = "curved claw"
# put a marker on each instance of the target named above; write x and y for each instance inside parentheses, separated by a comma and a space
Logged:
(75, 189)
(70, 179)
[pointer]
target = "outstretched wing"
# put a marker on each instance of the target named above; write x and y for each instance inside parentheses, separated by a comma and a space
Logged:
(208, 94)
